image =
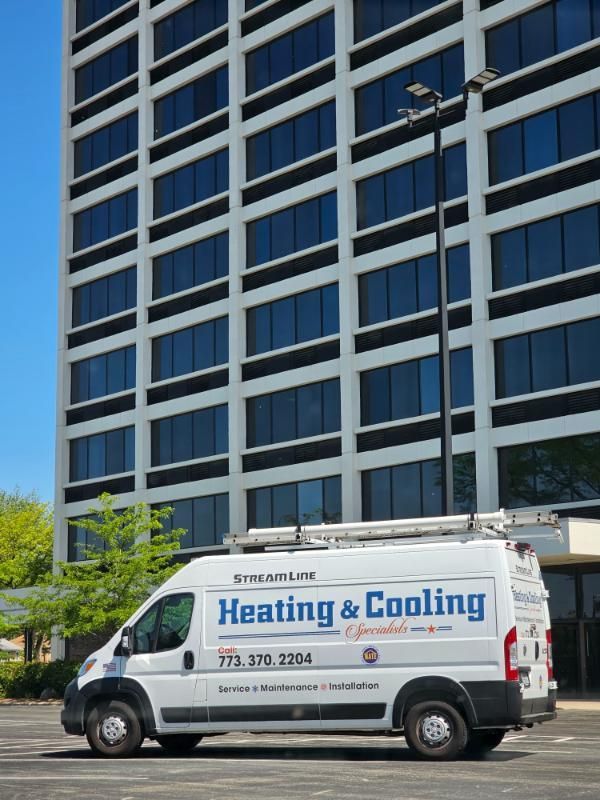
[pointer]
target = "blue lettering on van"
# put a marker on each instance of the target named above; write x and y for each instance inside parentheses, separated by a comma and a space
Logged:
(378, 605)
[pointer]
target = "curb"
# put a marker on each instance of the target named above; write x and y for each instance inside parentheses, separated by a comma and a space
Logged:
(26, 702)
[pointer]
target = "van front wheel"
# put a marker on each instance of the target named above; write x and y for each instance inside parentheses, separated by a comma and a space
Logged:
(178, 742)
(435, 730)
(113, 730)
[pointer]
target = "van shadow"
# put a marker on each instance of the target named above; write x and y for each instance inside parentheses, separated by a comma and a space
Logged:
(289, 753)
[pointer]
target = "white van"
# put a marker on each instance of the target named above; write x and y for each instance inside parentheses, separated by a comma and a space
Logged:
(443, 637)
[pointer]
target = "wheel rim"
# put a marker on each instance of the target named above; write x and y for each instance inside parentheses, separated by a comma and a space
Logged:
(435, 729)
(113, 730)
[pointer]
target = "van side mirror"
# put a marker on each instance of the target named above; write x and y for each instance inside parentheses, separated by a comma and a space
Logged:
(127, 641)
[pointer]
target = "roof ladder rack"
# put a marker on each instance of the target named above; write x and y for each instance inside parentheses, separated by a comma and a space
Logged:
(496, 524)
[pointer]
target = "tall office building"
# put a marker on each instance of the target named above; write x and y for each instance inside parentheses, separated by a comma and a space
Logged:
(247, 270)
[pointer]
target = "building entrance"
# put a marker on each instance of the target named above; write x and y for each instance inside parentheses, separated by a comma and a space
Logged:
(575, 612)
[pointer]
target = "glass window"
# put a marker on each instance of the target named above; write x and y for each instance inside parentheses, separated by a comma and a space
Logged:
(548, 359)
(540, 137)
(583, 357)
(375, 396)
(581, 239)
(190, 184)
(404, 390)
(505, 153)
(191, 266)
(461, 373)
(188, 23)
(106, 69)
(590, 586)
(503, 47)
(284, 232)
(105, 145)
(104, 220)
(175, 621)
(513, 366)
(289, 53)
(561, 586)
(544, 250)
(190, 103)
(307, 502)
(144, 632)
(537, 35)
(577, 127)
(377, 103)
(573, 23)
(283, 329)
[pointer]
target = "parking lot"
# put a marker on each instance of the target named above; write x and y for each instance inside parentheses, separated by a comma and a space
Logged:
(554, 761)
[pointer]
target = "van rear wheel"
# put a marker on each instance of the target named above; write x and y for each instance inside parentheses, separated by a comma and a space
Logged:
(178, 742)
(113, 730)
(481, 742)
(435, 730)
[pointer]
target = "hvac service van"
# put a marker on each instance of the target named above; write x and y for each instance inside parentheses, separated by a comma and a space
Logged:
(434, 628)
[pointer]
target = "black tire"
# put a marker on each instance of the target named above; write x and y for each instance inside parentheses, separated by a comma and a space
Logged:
(178, 743)
(113, 730)
(435, 730)
(481, 742)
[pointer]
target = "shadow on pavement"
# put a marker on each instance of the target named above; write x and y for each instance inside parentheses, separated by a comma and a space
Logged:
(288, 753)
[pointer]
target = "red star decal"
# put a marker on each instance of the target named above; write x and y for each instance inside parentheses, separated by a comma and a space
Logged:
(431, 629)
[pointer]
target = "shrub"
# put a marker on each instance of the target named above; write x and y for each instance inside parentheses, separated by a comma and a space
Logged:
(19, 680)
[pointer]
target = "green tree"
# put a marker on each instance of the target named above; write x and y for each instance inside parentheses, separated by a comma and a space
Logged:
(26, 526)
(121, 569)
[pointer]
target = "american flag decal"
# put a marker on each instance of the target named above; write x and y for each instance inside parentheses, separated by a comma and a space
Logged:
(111, 667)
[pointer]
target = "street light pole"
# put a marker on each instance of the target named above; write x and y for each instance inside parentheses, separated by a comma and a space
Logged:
(447, 476)
(425, 93)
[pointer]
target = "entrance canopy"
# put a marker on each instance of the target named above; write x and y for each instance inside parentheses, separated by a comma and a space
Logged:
(581, 542)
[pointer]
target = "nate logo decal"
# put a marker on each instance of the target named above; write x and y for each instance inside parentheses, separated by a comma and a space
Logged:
(370, 655)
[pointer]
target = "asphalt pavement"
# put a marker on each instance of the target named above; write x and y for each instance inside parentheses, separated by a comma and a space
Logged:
(551, 762)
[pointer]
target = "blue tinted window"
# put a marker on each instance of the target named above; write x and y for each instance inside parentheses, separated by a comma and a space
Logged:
(513, 373)
(291, 503)
(199, 347)
(205, 520)
(191, 184)
(198, 99)
(583, 359)
(377, 103)
(108, 68)
(107, 219)
(290, 141)
(298, 413)
(372, 16)
(573, 23)
(283, 232)
(193, 265)
(548, 359)
(290, 53)
(188, 23)
(540, 138)
(506, 153)
(509, 258)
(104, 374)
(544, 254)
(413, 490)
(105, 145)
(408, 188)
(538, 34)
(89, 11)
(106, 453)
(197, 434)
(579, 138)
(412, 388)
(580, 237)
(282, 323)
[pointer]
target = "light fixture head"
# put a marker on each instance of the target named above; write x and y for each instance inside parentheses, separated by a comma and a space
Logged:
(477, 82)
(422, 92)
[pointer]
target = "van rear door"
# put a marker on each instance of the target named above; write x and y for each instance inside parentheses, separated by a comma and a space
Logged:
(529, 604)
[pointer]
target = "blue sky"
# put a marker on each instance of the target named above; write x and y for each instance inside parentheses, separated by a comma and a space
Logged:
(30, 50)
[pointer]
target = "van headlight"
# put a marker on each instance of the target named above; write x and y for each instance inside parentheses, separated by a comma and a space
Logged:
(86, 667)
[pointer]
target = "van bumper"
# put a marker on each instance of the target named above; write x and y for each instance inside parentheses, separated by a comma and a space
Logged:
(71, 717)
(500, 704)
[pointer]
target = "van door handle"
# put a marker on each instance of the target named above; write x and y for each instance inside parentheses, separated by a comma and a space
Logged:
(188, 660)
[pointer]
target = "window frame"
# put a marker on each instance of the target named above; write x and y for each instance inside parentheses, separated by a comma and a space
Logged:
(161, 602)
